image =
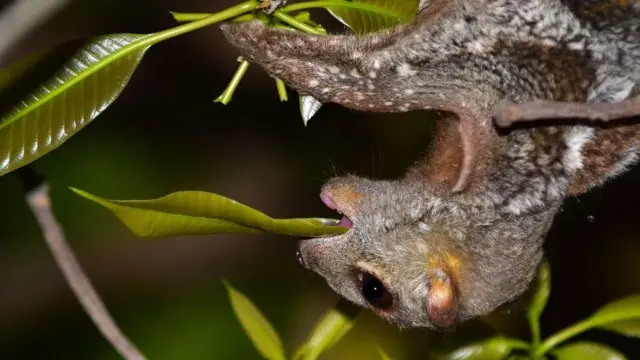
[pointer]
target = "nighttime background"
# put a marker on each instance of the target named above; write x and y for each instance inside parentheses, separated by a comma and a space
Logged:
(165, 134)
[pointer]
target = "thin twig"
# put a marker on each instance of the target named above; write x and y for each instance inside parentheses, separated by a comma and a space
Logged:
(23, 16)
(508, 114)
(40, 204)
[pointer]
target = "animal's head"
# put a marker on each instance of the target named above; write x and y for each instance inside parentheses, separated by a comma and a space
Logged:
(419, 260)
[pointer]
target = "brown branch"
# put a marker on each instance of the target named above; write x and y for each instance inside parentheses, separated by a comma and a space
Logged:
(40, 204)
(508, 113)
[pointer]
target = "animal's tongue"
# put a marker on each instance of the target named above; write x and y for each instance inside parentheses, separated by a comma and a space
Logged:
(328, 201)
(345, 222)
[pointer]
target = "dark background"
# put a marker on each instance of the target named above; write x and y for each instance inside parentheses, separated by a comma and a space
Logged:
(165, 134)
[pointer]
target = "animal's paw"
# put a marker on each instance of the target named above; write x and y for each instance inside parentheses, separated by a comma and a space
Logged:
(271, 5)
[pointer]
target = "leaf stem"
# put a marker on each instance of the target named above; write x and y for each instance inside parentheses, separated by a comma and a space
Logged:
(293, 22)
(575, 329)
(229, 13)
(562, 336)
(518, 344)
(282, 90)
(227, 94)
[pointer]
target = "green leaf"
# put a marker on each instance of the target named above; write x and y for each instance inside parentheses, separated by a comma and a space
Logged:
(587, 351)
(539, 300)
(374, 15)
(620, 316)
(495, 348)
(199, 213)
(629, 328)
(83, 89)
(255, 324)
(622, 309)
(14, 71)
(86, 85)
(330, 329)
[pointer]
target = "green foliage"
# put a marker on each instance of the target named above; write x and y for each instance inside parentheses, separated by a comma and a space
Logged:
(256, 325)
(374, 15)
(198, 212)
(625, 313)
(333, 326)
(587, 351)
(496, 347)
(80, 91)
(87, 84)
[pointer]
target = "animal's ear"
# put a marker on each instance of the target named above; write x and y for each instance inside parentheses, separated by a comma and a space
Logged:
(442, 300)
(461, 151)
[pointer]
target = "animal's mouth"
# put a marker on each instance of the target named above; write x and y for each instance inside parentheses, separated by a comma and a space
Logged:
(328, 201)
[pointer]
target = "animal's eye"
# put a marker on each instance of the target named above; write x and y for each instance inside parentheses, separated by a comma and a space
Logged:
(375, 292)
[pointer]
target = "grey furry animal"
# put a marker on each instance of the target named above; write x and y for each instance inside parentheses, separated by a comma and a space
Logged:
(462, 232)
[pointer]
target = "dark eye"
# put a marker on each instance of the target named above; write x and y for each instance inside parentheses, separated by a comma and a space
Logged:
(374, 292)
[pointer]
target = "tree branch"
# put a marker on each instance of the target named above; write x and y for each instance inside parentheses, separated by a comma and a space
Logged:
(508, 114)
(37, 196)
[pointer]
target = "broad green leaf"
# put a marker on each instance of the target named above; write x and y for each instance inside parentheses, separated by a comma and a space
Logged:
(495, 348)
(330, 329)
(86, 85)
(81, 90)
(584, 350)
(255, 324)
(363, 16)
(623, 309)
(629, 328)
(199, 213)
(14, 71)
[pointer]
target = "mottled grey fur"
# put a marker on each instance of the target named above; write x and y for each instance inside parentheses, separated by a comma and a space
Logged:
(488, 197)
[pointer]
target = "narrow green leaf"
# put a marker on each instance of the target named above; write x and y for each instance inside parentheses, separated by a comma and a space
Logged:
(623, 309)
(199, 213)
(495, 348)
(375, 15)
(630, 328)
(330, 329)
(255, 324)
(543, 288)
(539, 300)
(88, 83)
(584, 350)
(13, 72)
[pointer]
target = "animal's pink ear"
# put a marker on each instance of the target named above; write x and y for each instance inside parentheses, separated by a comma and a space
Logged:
(461, 151)
(442, 302)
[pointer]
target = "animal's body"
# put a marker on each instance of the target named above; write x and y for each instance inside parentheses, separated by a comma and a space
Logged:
(462, 232)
